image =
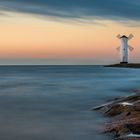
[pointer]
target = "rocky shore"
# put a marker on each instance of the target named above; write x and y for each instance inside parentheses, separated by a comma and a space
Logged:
(124, 114)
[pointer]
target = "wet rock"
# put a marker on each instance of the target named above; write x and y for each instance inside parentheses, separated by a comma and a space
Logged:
(125, 117)
(117, 109)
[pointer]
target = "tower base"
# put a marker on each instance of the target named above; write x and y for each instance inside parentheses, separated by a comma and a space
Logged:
(123, 62)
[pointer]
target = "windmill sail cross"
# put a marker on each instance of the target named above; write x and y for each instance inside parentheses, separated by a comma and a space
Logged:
(124, 47)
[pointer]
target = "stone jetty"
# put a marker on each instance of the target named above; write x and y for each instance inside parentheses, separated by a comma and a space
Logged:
(129, 65)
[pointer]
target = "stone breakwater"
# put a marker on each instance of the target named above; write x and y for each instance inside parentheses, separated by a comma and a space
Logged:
(124, 114)
(129, 65)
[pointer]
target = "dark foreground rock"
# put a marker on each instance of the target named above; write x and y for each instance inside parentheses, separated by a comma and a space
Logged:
(125, 117)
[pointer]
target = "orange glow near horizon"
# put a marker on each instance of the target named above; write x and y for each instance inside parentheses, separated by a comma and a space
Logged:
(24, 36)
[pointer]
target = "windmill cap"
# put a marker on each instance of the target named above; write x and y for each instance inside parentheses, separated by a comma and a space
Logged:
(123, 36)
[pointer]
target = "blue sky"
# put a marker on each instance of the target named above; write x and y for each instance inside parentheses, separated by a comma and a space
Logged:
(97, 9)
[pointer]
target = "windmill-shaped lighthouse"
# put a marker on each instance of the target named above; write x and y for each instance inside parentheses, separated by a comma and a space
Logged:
(123, 49)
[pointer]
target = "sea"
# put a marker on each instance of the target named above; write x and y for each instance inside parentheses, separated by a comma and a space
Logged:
(55, 102)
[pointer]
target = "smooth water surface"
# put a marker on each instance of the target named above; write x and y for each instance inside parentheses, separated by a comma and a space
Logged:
(54, 102)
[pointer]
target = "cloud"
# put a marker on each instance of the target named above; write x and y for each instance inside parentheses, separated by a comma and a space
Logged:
(77, 9)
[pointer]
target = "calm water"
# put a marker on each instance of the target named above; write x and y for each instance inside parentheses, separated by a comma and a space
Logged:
(54, 102)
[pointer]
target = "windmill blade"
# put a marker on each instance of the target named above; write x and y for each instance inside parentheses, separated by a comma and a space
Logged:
(118, 36)
(130, 48)
(130, 36)
(118, 48)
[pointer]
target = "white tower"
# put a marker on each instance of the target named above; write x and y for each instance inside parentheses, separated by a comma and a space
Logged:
(124, 48)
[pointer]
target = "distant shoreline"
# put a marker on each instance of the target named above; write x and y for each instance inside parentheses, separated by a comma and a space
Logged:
(129, 65)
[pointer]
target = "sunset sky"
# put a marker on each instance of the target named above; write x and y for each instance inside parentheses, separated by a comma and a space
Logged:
(67, 31)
